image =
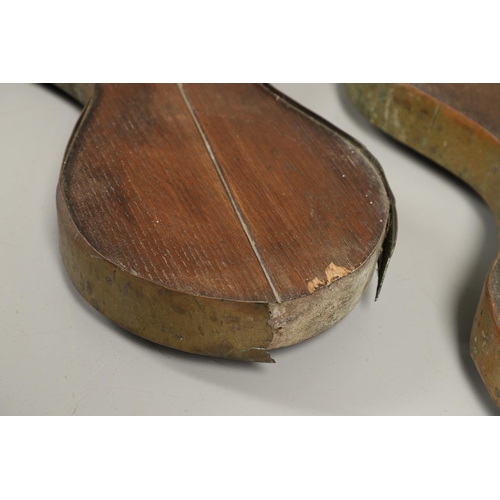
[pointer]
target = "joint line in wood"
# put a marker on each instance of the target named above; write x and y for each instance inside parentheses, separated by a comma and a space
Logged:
(228, 191)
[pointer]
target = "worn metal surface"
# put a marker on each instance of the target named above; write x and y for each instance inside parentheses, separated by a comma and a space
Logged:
(453, 126)
(199, 325)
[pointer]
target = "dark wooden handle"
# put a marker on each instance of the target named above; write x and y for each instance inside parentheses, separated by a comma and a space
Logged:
(458, 127)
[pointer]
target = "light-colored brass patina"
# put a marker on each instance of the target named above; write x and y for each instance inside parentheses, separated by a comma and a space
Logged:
(458, 127)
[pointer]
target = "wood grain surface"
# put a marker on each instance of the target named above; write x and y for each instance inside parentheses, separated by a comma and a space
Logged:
(223, 198)
(458, 127)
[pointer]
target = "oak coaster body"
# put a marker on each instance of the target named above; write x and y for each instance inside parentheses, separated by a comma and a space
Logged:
(458, 127)
(217, 219)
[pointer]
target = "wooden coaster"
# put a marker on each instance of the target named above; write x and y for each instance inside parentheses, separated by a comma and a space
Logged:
(223, 220)
(458, 127)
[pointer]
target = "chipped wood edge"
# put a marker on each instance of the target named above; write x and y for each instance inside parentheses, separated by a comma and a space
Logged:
(466, 149)
(204, 325)
(391, 229)
(332, 272)
(300, 319)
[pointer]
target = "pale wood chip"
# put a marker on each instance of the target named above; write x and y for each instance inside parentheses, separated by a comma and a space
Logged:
(333, 272)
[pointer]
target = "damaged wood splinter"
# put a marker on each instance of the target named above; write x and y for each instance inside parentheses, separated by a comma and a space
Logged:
(332, 272)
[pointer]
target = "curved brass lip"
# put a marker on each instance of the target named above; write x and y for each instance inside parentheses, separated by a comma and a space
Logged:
(469, 151)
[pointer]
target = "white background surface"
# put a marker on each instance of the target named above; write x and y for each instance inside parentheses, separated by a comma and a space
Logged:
(405, 354)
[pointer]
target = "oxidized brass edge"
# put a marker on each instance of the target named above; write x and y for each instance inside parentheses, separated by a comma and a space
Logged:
(466, 149)
(200, 325)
